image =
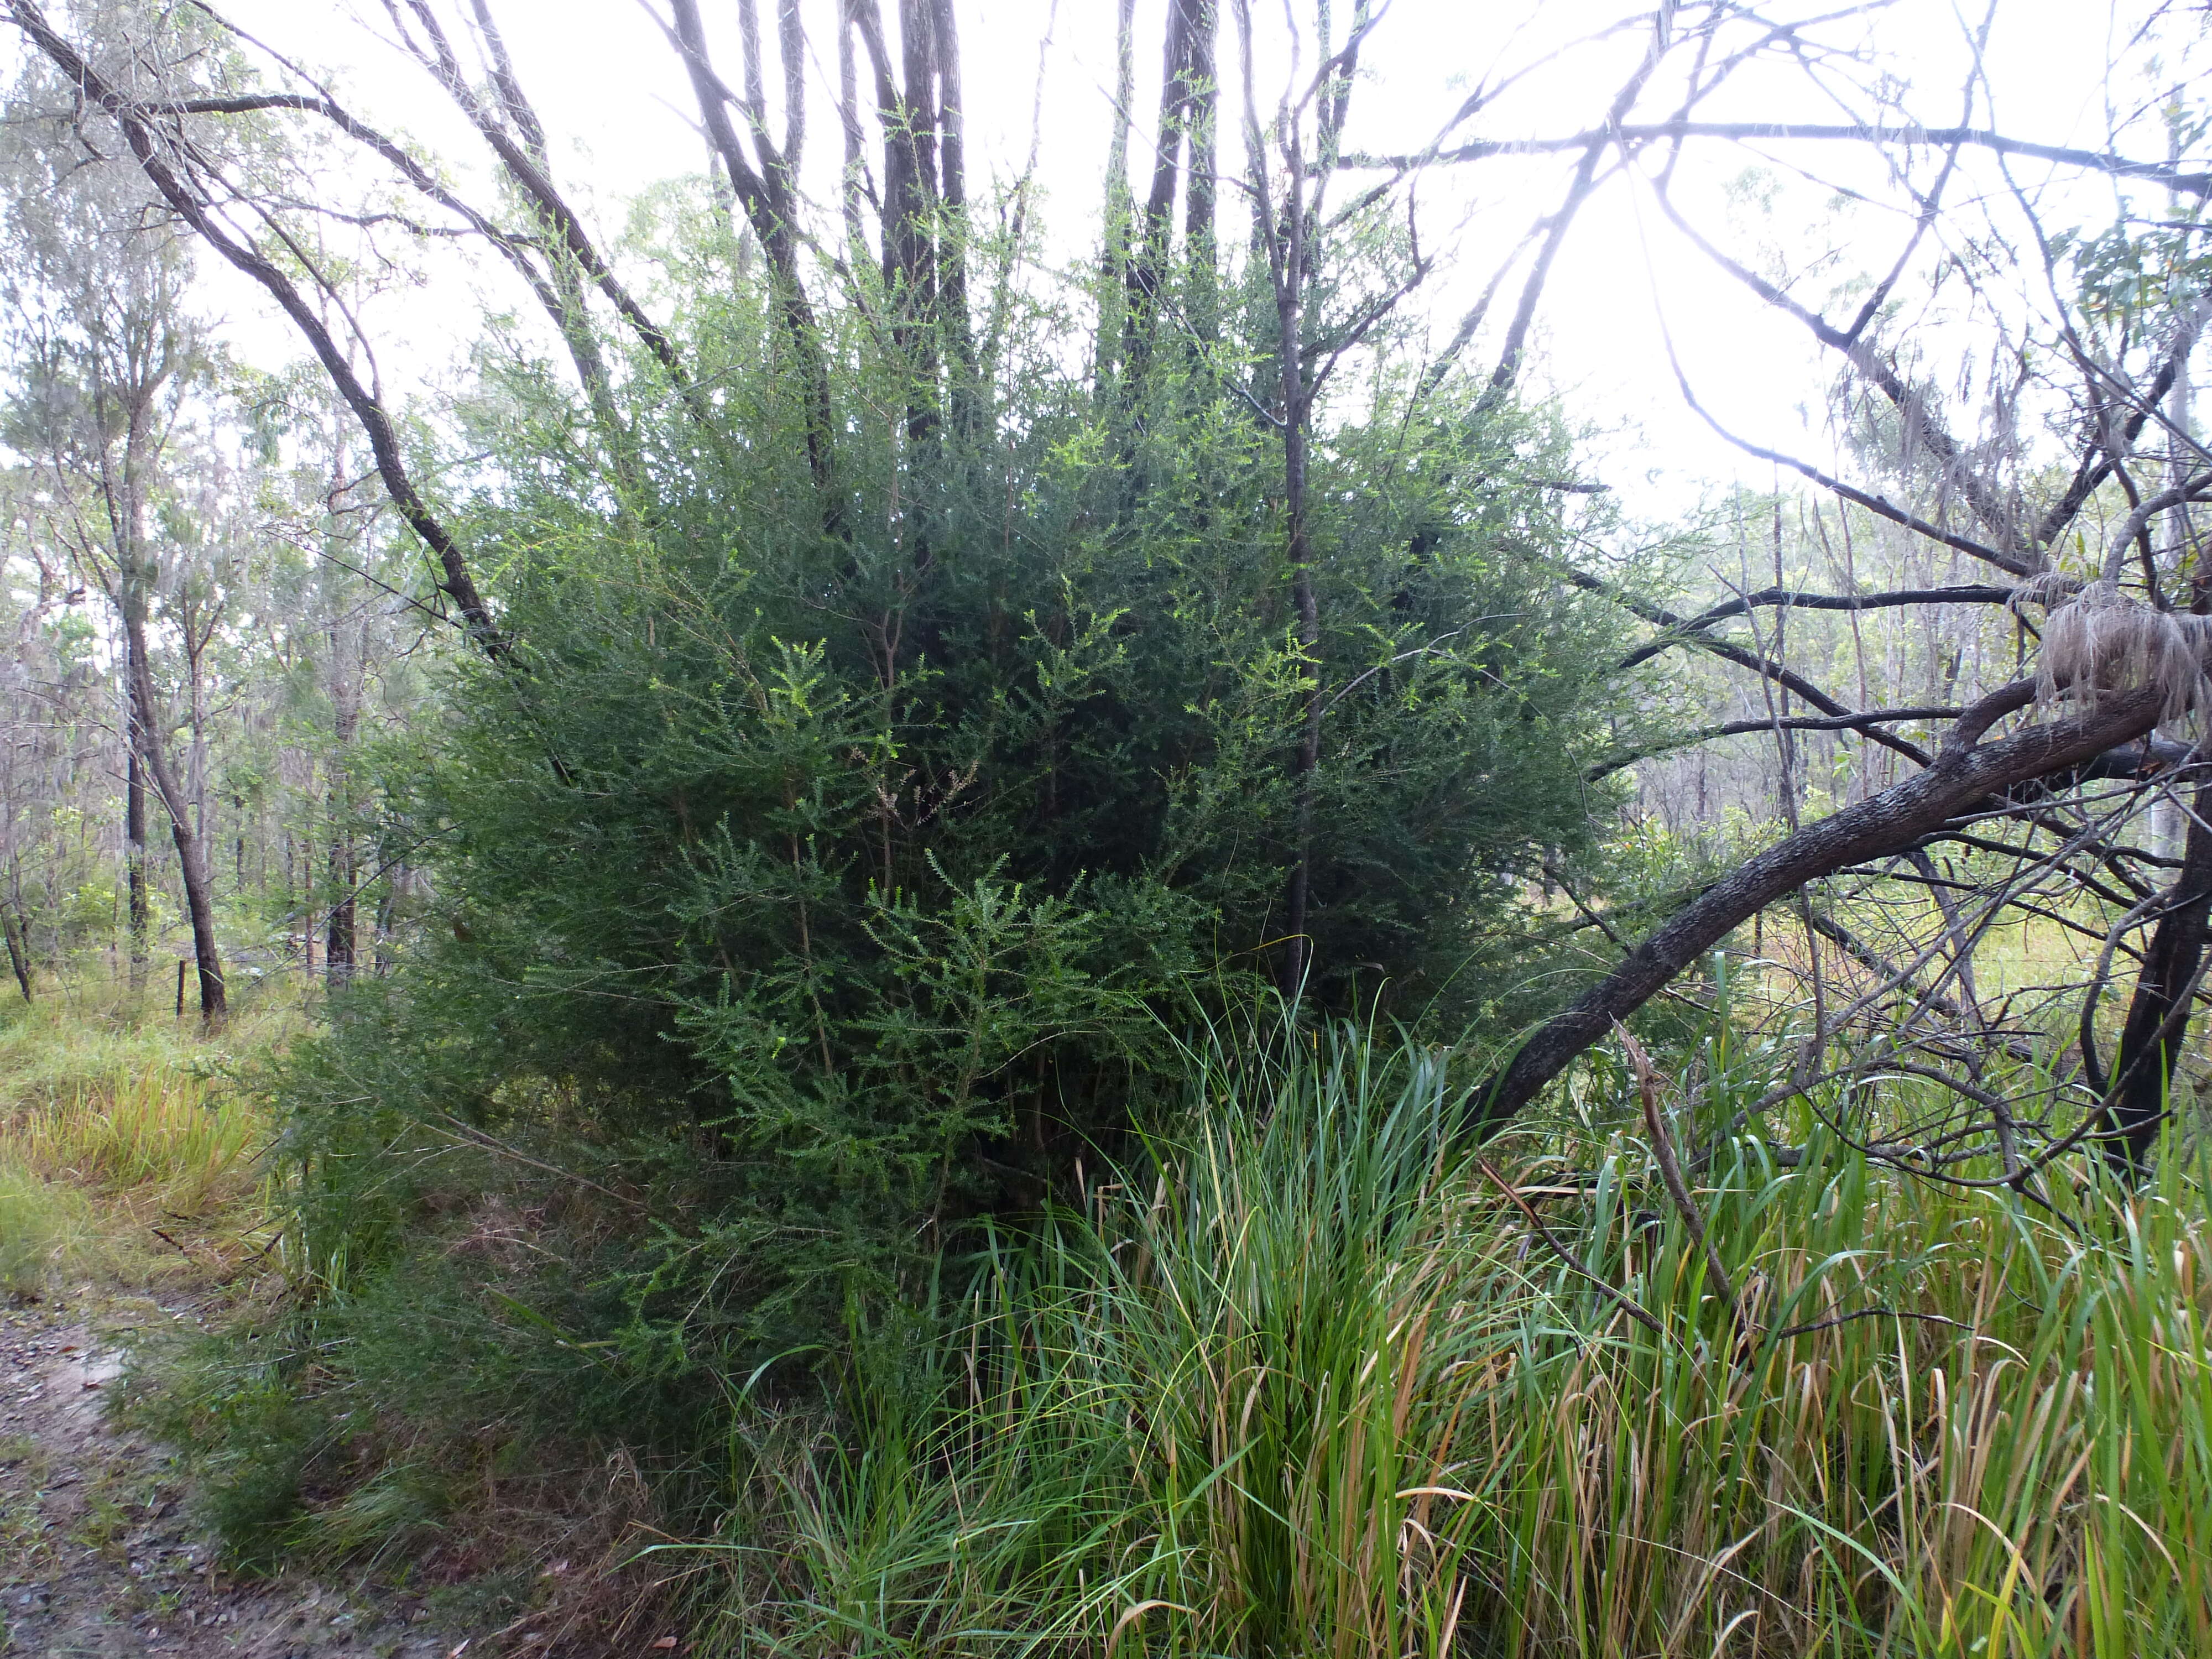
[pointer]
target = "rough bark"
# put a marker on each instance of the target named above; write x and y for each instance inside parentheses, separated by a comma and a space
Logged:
(19, 955)
(1966, 772)
(137, 906)
(1200, 120)
(191, 850)
(338, 938)
(1150, 238)
(2143, 1064)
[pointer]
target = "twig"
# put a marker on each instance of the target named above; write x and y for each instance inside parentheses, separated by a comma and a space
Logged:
(1663, 1149)
(1629, 1304)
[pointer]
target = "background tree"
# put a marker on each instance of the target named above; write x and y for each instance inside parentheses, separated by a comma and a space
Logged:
(107, 352)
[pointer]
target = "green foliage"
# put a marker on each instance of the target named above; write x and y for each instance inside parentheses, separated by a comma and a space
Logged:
(821, 869)
(830, 867)
(47, 1228)
(1305, 1371)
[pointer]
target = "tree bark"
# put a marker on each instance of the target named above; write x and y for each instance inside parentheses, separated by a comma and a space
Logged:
(2143, 1064)
(1119, 204)
(191, 850)
(1200, 119)
(1150, 237)
(338, 932)
(19, 955)
(138, 905)
(1964, 776)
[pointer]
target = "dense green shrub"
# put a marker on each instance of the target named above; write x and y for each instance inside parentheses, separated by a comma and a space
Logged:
(880, 859)
(814, 877)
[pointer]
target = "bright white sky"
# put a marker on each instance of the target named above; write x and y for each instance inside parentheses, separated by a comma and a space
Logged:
(612, 92)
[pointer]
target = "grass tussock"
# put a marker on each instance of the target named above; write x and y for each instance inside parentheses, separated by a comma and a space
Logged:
(1312, 1385)
(170, 1133)
(47, 1227)
(111, 1114)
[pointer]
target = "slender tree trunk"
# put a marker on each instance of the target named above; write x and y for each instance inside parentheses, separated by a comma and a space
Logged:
(191, 850)
(19, 951)
(1151, 237)
(1119, 204)
(134, 849)
(953, 320)
(853, 180)
(396, 883)
(338, 931)
(1298, 552)
(132, 583)
(1203, 91)
(766, 194)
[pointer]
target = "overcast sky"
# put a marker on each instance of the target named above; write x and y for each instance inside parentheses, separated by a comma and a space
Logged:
(610, 92)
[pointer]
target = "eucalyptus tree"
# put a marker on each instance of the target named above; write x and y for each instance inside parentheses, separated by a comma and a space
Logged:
(106, 353)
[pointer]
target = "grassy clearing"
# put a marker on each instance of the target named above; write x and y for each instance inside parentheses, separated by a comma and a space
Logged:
(113, 1121)
(1313, 1386)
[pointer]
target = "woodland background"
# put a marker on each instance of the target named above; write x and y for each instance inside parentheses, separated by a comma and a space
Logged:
(946, 920)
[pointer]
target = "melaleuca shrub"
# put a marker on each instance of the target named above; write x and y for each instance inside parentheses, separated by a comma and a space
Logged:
(824, 864)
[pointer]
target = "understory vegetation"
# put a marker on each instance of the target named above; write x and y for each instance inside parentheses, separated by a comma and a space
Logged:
(112, 1123)
(1301, 1359)
(909, 944)
(1307, 1370)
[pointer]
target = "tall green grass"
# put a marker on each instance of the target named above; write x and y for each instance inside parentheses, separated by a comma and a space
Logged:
(108, 1113)
(45, 1227)
(1309, 1385)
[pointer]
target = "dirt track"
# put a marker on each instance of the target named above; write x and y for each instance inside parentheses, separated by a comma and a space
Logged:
(99, 1555)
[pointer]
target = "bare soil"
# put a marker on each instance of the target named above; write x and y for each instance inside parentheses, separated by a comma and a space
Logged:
(99, 1552)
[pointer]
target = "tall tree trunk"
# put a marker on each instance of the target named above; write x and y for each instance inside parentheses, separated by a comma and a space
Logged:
(397, 882)
(1198, 123)
(1115, 254)
(1152, 238)
(19, 950)
(134, 841)
(131, 585)
(951, 226)
(1290, 311)
(191, 850)
(338, 927)
(345, 702)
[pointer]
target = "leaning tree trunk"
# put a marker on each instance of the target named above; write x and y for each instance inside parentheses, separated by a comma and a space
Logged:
(19, 951)
(1962, 778)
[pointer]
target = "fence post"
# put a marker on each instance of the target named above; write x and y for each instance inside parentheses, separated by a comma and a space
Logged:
(180, 986)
